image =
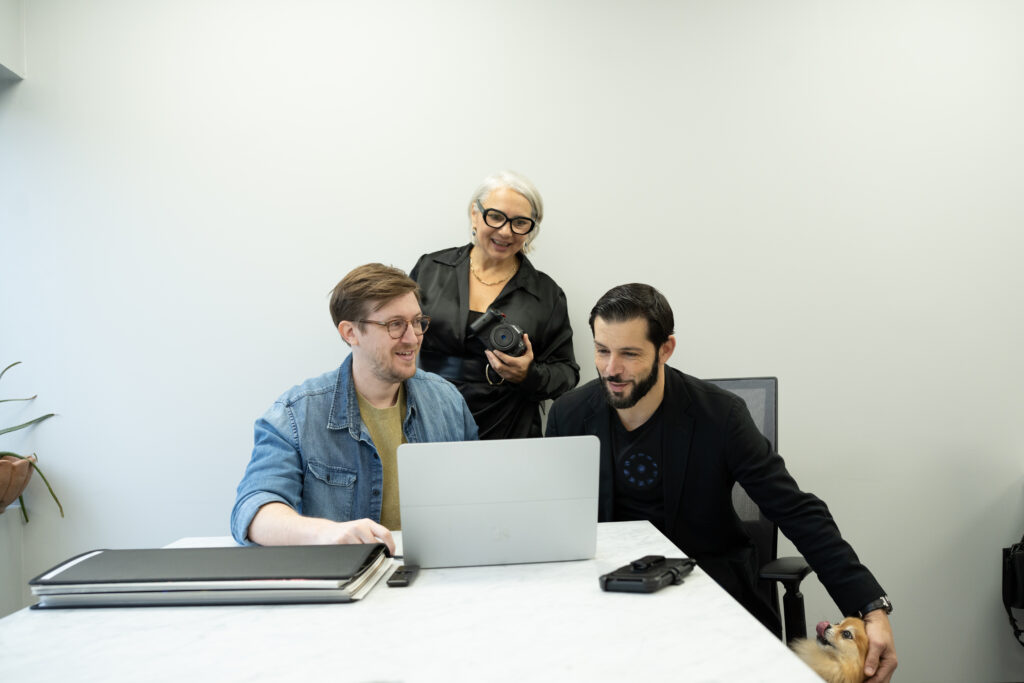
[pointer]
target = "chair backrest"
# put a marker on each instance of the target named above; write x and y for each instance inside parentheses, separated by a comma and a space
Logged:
(761, 394)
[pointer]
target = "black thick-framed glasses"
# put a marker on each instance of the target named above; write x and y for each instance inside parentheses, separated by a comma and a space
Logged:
(521, 225)
(396, 328)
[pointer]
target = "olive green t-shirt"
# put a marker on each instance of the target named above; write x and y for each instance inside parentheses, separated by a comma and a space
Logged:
(385, 427)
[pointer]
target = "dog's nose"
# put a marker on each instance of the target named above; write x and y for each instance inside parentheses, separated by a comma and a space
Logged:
(821, 628)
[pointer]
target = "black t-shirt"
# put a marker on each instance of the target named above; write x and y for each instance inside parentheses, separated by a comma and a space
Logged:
(639, 491)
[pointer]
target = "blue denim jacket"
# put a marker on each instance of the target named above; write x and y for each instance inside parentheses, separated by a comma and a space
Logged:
(313, 453)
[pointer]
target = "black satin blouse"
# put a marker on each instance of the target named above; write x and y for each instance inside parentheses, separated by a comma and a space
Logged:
(531, 300)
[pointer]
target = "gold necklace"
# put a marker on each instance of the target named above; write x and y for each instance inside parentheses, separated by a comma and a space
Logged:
(505, 279)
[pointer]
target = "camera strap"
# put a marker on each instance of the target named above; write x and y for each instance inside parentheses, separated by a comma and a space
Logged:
(1013, 584)
(487, 374)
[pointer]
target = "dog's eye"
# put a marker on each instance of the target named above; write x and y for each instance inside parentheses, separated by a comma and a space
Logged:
(848, 635)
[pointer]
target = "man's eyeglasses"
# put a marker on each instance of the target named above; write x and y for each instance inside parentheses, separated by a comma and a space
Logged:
(521, 225)
(397, 327)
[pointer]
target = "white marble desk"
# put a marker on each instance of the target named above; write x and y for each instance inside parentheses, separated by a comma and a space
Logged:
(535, 622)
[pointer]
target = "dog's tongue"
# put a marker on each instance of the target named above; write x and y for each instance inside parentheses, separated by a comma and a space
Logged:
(820, 628)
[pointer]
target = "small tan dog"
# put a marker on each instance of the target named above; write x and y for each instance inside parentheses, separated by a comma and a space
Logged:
(838, 653)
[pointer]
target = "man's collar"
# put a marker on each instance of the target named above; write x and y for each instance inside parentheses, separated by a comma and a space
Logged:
(345, 403)
(344, 398)
(675, 389)
(366, 385)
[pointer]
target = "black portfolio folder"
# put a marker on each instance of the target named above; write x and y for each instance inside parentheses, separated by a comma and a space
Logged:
(203, 576)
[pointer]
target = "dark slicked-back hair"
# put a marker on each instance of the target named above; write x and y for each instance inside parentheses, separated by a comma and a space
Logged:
(366, 289)
(635, 300)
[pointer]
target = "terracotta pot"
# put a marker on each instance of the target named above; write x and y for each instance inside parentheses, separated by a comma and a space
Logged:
(14, 477)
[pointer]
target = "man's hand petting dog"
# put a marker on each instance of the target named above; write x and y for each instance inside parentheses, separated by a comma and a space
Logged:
(881, 658)
(842, 652)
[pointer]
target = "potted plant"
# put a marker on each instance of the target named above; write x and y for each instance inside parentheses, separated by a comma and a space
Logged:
(15, 469)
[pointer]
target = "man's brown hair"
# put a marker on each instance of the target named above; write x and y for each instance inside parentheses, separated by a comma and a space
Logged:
(366, 289)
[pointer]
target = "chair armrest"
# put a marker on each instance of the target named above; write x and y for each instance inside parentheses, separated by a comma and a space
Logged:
(789, 570)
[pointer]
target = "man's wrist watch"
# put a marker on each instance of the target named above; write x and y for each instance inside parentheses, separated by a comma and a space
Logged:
(881, 603)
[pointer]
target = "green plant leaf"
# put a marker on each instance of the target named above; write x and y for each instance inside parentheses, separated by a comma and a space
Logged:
(27, 424)
(17, 362)
(30, 398)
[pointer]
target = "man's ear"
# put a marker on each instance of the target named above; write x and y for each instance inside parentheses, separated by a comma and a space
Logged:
(348, 333)
(666, 350)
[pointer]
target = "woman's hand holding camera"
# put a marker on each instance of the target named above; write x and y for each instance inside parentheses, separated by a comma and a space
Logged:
(511, 368)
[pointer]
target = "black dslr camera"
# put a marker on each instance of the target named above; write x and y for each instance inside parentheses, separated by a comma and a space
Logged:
(498, 334)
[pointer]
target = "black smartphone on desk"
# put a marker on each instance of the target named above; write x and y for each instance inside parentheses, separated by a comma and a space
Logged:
(648, 574)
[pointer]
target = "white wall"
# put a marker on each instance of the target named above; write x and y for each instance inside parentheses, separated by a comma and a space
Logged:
(12, 29)
(827, 192)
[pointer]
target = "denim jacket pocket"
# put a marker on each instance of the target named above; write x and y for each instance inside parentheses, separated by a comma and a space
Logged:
(329, 491)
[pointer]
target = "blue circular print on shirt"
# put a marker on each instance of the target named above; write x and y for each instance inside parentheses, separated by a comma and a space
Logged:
(640, 470)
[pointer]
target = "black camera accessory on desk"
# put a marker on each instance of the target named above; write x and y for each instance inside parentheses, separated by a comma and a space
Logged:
(498, 334)
(403, 575)
(1013, 584)
(648, 574)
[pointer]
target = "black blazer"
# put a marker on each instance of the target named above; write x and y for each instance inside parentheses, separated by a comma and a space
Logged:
(529, 299)
(710, 443)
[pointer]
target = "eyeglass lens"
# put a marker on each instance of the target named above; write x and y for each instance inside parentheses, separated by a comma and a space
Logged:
(396, 328)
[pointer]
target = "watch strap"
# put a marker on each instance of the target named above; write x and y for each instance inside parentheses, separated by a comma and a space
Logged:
(879, 603)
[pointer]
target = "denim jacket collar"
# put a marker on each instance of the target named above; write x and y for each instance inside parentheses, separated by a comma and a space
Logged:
(345, 404)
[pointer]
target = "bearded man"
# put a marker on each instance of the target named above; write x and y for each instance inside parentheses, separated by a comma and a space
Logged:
(673, 446)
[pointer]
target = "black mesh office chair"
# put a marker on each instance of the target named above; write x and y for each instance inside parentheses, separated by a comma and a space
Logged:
(761, 395)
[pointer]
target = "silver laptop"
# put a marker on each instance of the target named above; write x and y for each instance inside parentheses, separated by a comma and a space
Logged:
(499, 502)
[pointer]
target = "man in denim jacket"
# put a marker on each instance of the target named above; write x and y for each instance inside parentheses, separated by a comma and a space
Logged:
(323, 468)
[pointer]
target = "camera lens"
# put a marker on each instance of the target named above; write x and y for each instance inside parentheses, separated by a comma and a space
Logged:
(503, 337)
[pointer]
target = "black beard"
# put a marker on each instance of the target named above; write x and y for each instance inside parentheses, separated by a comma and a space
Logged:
(640, 389)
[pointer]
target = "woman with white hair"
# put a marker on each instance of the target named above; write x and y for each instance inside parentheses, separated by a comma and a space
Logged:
(478, 294)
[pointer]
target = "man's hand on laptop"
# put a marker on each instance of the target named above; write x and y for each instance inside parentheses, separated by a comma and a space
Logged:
(277, 524)
(358, 531)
